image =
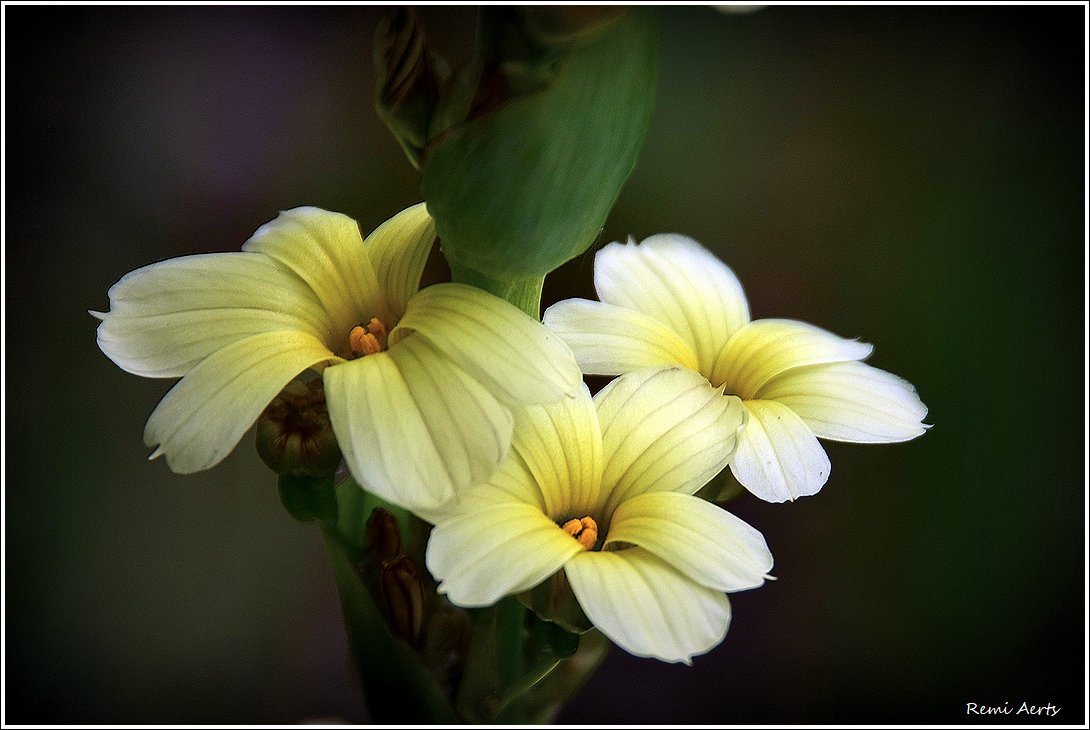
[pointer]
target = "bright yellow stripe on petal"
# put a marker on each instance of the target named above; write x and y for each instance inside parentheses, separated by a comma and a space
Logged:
(561, 444)
(664, 430)
(678, 282)
(767, 347)
(326, 251)
(398, 250)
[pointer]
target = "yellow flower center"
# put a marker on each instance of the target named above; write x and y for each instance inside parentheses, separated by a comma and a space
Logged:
(367, 340)
(585, 531)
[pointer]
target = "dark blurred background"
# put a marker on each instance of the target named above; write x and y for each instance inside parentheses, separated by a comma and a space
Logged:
(912, 176)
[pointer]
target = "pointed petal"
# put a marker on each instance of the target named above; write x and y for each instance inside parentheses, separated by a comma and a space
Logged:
(851, 401)
(778, 456)
(767, 347)
(495, 342)
(326, 251)
(202, 417)
(646, 607)
(561, 444)
(610, 340)
(487, 553)
(664, 430)
(413, 426)
(678, 282)
(706, 543)
(167, 317)
(398, 250)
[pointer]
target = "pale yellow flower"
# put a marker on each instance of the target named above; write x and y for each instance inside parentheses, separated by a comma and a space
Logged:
(669, 301)
(418, 383)
(603, 489)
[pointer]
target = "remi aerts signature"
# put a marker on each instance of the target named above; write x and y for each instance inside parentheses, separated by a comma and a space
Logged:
(1049, 710)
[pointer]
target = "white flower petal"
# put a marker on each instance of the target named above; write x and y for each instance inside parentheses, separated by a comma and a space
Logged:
(706, 543)
(487, 553)
(765, 348)
(166, 317)
(413, 426)
(646, 607)
(511, 482)
(610, 340)
(202, 417)
(664, 430)
(680, 283)
(326, 251)
(851, 401)
(398, 250)
(494, 341)
(561, 445)
(778, 456)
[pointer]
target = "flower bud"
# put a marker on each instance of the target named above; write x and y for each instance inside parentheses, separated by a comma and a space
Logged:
(294, 435)
(407, 87)
(402, 593)
(383, 536)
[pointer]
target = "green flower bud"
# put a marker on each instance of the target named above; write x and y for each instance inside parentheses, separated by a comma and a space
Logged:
(294, 436)
(407, 88)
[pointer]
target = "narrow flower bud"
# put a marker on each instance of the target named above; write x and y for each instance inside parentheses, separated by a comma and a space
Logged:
(383, 536)
(402, 594)
(408, 87)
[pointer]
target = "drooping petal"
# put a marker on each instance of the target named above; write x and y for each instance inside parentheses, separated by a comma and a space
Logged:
(678, 282)
(495, 342)
(850, 401)
(646, 607)
(561, 444)
(664, 430)
(778, 456)
(326, 251)
(398, 250)
(610, 340)
(765, 348)
(484, 554)
(413, 426)
(167, 317)
(706, 543)
(202, 417)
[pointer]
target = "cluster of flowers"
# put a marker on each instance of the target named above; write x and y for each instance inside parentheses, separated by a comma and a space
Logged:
(456, 405)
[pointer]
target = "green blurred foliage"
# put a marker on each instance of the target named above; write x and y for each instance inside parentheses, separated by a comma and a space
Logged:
(912, 176)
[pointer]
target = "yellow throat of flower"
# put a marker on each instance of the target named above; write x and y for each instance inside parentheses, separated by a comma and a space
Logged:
(585, 531)
(367, 340)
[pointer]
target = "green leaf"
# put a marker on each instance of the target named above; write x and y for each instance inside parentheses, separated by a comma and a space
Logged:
(309, 498)
(527, 182)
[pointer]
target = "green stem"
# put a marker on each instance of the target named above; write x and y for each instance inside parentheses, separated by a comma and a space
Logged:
(523, 293)
(397, 687)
